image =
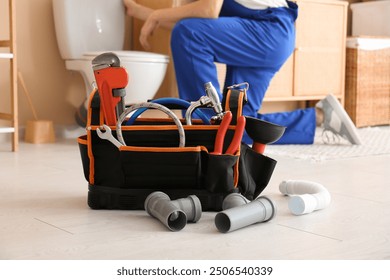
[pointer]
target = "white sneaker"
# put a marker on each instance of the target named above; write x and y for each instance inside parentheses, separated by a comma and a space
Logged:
(337, 120)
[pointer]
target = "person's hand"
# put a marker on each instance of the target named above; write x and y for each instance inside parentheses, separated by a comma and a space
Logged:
(131, 7)
(147, 30)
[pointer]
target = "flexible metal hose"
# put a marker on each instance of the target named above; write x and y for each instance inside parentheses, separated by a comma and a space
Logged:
(168, 101)
(150, 105)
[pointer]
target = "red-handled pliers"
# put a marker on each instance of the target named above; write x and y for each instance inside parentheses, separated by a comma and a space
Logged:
(221, 133)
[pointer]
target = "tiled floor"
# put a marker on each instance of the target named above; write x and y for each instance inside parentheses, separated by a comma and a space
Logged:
(44, 215)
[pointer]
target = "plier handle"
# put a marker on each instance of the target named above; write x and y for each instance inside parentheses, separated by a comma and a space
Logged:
(221, 133)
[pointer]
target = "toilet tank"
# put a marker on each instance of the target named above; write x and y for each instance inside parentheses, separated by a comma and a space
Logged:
(88, 25)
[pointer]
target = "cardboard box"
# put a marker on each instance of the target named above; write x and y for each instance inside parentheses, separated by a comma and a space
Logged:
(371, 18)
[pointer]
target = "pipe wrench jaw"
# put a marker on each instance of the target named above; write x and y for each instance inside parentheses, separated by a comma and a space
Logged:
(97, 67)
(105, 60)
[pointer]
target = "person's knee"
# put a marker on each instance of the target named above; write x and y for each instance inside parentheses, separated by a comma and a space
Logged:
(180, 32)
(187, 30)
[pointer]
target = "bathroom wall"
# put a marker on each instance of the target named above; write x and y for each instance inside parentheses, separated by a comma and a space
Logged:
(55, 91)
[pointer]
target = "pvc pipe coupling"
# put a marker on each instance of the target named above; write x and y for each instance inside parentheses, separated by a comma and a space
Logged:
(305, 196)
(239, 212)
(174, 214)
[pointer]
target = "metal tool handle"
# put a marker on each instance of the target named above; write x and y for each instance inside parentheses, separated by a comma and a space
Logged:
(202, 101)
(211, 99)
(149, 105)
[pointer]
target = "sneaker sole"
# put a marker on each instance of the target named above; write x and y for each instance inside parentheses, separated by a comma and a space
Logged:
(342, 114)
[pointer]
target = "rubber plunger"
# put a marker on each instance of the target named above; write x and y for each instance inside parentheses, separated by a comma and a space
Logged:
(159, 205)
(262, 133)
(262, 209)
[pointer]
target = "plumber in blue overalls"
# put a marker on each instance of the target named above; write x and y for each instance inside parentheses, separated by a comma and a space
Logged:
(254, 44)
(253, 38)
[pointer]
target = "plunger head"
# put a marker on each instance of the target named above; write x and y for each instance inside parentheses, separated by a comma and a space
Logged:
(263, 132)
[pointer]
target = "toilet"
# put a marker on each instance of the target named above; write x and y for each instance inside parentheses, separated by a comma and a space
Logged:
(87, 28)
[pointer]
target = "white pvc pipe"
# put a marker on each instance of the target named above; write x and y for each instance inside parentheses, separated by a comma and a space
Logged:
(306, 196)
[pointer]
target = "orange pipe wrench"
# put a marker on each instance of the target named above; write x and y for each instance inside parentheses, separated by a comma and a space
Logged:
(111, 80)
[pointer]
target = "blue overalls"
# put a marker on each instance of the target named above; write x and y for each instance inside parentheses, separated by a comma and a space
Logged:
(253, 44)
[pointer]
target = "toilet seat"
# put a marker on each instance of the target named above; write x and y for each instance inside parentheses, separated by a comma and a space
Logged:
(133, 56)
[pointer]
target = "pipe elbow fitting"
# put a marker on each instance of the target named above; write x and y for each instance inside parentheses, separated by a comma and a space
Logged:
(234, 200)
(174, 214)
(305, 196)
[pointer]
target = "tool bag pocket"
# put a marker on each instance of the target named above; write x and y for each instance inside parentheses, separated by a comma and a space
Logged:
(163, 168)
(255, 171)
(156, 165)
(150, 161)
(220, 173)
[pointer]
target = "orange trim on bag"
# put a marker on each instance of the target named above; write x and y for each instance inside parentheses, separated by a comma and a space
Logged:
(89, 115)
(183, 121)
(91, 159)
(239, 112)
(82, 140)
(161, 149)
(89, 139)
(240, 103)
(236, 173)
(163, 127)
(227, 106)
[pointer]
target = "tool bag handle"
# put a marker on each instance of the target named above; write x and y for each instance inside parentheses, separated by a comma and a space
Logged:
(234, 99)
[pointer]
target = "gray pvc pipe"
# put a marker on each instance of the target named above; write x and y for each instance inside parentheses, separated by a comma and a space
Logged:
(262, 209)
(305, 196)
(173, 214)
(234, 200)
(191, 206)
(159, 205)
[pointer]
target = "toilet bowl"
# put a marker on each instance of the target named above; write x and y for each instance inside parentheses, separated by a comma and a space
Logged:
(146, 72)
(87, 28)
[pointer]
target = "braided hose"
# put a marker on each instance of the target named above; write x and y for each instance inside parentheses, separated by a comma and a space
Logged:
(150, 105)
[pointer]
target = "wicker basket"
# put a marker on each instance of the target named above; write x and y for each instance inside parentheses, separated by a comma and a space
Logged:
(367, 86)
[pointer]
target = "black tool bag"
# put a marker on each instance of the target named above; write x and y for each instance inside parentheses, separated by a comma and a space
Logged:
(121, 178)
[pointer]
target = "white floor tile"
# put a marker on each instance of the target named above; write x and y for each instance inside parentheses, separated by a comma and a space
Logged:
(44, 215)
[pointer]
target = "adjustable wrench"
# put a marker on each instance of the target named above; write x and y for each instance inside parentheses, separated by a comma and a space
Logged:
(111, 80)
(107, 135)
